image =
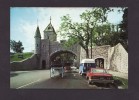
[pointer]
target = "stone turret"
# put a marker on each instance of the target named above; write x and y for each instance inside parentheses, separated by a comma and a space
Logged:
(49, 32)
(37, 41)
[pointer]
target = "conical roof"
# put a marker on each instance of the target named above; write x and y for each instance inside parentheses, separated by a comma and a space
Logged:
(37, 33)
(49, 28)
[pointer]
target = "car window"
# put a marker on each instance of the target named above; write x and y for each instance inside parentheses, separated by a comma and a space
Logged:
(99, 71)
(89, 65)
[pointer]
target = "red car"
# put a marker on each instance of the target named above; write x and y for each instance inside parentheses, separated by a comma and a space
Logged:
(98, 75)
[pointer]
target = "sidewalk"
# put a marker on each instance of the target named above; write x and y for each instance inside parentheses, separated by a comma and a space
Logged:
(118, 74)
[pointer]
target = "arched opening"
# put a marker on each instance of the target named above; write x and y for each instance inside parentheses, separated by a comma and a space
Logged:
(43, 64)
(99, 62)
(63, 58)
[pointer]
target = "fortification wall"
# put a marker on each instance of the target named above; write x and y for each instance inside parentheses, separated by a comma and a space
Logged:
(97, 52)
(115, 58)
(118, 59)
(27, 64)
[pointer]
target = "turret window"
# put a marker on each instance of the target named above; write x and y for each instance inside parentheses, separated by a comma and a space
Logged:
(49, 27)
(37, 45)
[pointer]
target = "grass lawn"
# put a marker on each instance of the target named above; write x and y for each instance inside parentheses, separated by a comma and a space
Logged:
(15, 57)
(122, 82)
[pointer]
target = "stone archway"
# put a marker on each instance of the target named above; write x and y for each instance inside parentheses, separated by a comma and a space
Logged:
(64, 58)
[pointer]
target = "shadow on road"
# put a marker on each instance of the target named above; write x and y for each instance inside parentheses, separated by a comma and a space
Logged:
(69, 75)
(13, 74)
(69, 81)
(106, 86)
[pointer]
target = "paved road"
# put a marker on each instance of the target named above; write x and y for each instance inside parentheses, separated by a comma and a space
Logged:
(21, 79)
(41, 79)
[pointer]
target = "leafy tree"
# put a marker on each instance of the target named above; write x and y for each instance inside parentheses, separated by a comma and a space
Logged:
(102, 34)
(124, 29)
(71, 41)
(17, 47)
(107, 34)
(83, 31)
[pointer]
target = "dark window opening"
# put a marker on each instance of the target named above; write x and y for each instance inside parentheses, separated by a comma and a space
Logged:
(49, 27)
(87, 66)
(99, 62)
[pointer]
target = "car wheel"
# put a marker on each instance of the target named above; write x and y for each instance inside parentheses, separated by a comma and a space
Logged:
(87, 78)
(112, 86)
(89, 82)
(115, 86)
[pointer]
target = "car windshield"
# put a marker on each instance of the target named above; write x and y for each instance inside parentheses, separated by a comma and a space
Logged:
(99, 71)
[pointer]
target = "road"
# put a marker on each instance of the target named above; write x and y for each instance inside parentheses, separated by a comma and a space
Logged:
(40, 79)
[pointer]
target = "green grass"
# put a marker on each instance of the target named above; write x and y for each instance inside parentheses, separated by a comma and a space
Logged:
(124, 82)
(25, 56)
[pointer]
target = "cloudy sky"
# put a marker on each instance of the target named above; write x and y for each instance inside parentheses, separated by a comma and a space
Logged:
(23, 21)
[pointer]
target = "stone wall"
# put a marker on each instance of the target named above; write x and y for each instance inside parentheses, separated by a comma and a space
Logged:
(115, 58)
(76, 48)
(97, 52)
(27, 64)
(101, 52)
(118, 59)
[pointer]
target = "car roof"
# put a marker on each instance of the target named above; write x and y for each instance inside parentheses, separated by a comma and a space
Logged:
(88, 61)
(98, 68)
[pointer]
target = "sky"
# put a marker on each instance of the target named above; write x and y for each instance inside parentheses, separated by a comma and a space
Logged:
(23, 21)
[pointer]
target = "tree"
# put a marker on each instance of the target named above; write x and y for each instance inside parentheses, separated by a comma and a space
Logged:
(83, 31)
(106, 34)
(71, 41)
(124, 29)
(102, 34)
(16, 46)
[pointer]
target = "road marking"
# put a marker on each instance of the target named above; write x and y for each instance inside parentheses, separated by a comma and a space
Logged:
(28, 84)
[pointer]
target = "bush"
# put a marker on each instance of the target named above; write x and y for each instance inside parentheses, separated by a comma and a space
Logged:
(121, 82)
